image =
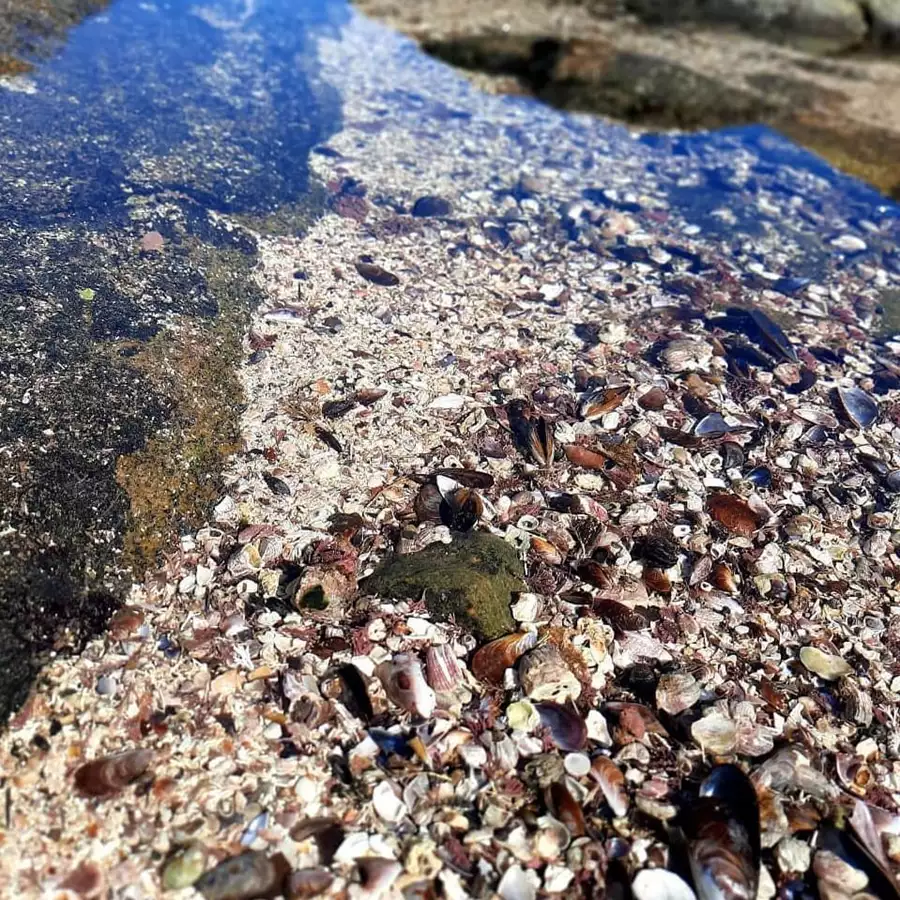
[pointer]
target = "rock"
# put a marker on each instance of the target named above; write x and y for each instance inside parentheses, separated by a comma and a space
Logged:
(884, 27)
(470, 580)
(545, 676)
(825, 24)
(431, 206)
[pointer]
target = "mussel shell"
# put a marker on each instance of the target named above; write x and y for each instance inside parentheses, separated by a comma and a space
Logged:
(601, 401)
(712, 426)
(567, 728)
(659, 550)
(540, 442)
(857, 406)
(109, 774)
(461, 509)
(844, 844)
(761, 476)
(565, 808)
(723, 836)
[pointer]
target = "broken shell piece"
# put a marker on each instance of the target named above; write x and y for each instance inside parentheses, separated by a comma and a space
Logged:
(660, 884)
(109, 774)
(545, 676)
(522, 716)
(377, 875)
(685, 354)
(825, 665)
(567, 728)
(387, 802)
(677, 692)
(405, 684)
(716, 733)
(517, 884)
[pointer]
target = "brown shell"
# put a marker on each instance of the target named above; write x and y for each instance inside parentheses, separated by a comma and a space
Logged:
(427, 504)
(110, 774)
(733, 513)
(722, 578)
(490, 662)
(602, 401)
(654, 399)
(545, 551)
(587, 459)
(611, 780)
(658, 580)
(565, 807)
(540, 441)
(620, 616)
(461, 509)
(592, 572)
(306, 883)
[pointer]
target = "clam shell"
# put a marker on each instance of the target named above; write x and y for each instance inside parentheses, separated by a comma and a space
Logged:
(109, 774)
(405, 684)
(490, 662)
(733, 513)
(567, 728)
(544, 675)
(825, 665)
(442, 668)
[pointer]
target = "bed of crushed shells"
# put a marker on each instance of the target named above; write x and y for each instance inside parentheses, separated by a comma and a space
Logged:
(704, 504)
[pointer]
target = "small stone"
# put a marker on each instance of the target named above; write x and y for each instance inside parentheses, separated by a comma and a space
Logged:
(430, 205)
(152, 242)
(525, 609)
(184, 867)
(825, 665)
(544, 675)
(849, 243)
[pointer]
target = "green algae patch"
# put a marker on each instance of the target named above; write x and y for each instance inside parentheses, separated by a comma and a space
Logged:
(470, 581)
(173, 480)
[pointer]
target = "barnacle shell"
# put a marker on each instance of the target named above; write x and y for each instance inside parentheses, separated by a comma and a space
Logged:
(110, 774)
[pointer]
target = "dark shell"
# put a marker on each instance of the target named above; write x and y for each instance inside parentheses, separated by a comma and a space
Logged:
(430, 205)
(761, 476)
(110, 774)
(808, 378)
(465, 477)
(723, 837)
(567, 728)
(771, 337)
(541, 442)
(659, 550)
(334, 409)
(592, 572)
(305, 883)
(848, 847)
(327, 833)
(247, 876)
(565, 808)
(732, 455)
(654, 399)
(680, 438)
(712, 426)
(856, 406)
(461, 509)
(277, 485)
(428, 504)
(620, 616)
(377, 275)
(350, 689)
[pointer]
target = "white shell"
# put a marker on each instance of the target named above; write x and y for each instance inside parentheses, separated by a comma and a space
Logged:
(660, 884)
(405, 684)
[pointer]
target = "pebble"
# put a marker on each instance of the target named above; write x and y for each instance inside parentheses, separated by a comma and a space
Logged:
(849, 243)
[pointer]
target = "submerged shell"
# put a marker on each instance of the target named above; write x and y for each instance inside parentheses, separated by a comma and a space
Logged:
(611, 781)
(244, 877)
(567, 728)
(110, 774)
(405, 684)
(857, 406)
(723, 835)
(490, 662)
(733, 513)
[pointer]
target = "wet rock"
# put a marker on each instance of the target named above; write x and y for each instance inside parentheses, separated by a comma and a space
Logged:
(470, 580)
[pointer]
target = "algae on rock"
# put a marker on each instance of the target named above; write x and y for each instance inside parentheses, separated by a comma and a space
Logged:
(470, 580)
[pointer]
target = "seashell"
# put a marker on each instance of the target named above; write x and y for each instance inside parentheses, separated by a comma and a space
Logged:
(184, 867)
(490, 662)
(676, 692)
(522, 716)
(852, 773)
(306, 883)
(611, 780)
(428, 503)
(857, 406)
(461, 509)
(592, 572)
(565, 808)
(244, 877)
(634, 722)
(405, 684)
(567, 728)
(442, 669)
(716, 733)
(347, 685)
(85, 880)
(601, 401)
(713, 426)
(110, 774)
(760, 477)
(658, 580)
(825, 665)
(326, 832)
(620, 616)
(245, 562)
(544, 675)
(377, 875)
(722, 831)
(659, 550)
(368, 396)
(125, 622)
(845, 866)
(660, 884)
(587, 459)
(722, 578)
(540, 441)
(545, 551)
(517, 884)
(465, 477)
(376, 274)
(733, 513)
(653, 400)
(685, 354)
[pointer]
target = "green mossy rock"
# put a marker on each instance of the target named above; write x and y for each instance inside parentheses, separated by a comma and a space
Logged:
(470, 581)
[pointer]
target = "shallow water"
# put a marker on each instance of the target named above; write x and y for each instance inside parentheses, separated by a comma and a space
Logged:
(190, 120)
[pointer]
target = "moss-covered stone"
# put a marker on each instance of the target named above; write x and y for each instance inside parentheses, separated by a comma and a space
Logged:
(470, 581)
